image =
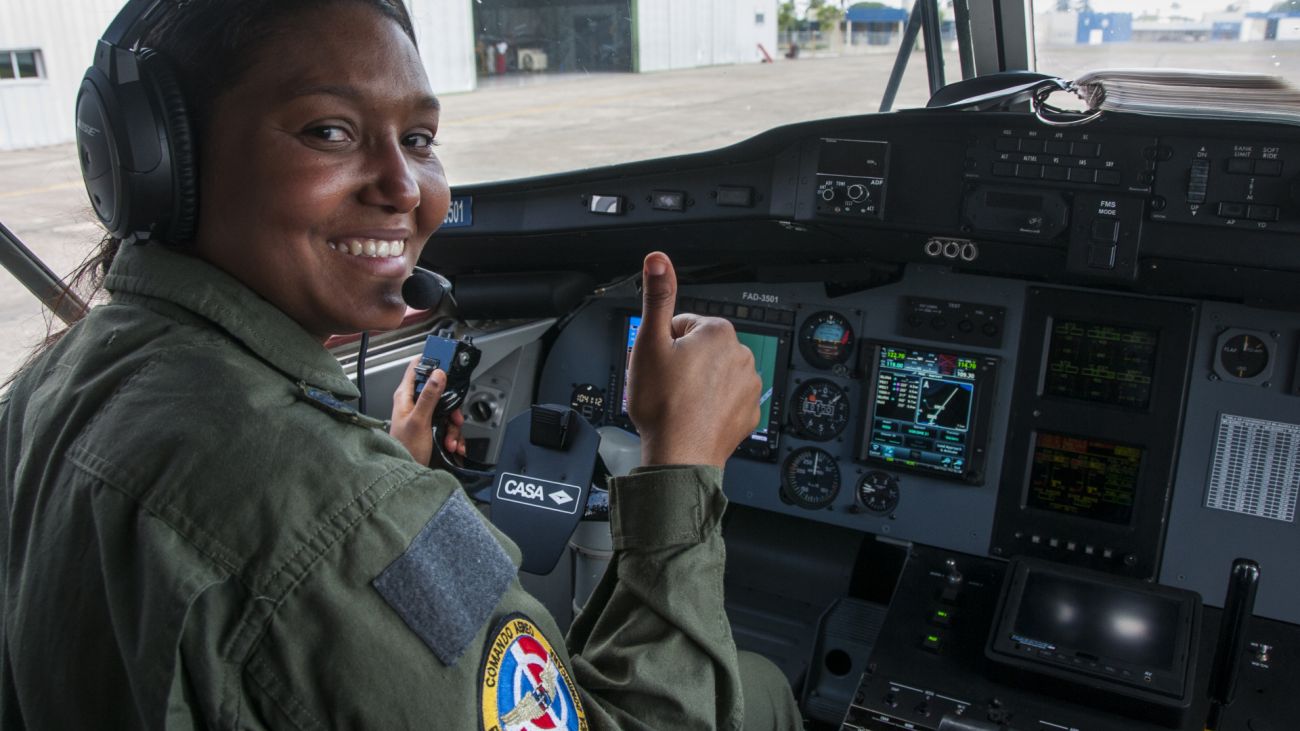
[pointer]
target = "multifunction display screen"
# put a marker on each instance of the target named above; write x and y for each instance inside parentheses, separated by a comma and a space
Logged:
(767, 360)
(1088, 478)
(924, 409)
(1091, 620)
(1109, 364)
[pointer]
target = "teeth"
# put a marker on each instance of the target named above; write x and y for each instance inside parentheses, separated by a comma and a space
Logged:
(370, 248)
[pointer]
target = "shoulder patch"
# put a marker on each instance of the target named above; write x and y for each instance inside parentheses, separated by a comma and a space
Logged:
(450, 579)
(523, 683)
(336, 407)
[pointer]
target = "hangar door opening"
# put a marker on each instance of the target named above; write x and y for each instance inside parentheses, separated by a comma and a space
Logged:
(552, 36)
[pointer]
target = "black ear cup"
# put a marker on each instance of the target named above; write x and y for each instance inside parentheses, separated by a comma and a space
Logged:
(184, 211)
(135, 146)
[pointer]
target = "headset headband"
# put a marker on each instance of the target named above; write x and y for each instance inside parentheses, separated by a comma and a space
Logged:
(131, 22)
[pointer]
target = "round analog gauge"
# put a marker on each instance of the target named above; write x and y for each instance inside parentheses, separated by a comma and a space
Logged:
(826, 340)
(810, 478)
(821, 410)
(878, 492)
(1243, 356)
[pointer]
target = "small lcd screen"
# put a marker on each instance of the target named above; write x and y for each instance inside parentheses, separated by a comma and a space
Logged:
(923, 408)
(852, 158)
(1088, 478)
(1109, 623)
(766, 350)
(1109, 364)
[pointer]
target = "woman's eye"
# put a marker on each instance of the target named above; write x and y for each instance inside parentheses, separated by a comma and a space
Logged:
(328, 133)
(420, 141)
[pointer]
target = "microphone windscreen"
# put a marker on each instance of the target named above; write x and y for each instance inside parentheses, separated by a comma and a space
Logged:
(423, 290)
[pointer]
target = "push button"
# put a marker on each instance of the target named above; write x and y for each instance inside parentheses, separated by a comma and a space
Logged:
(1261, 213)
(1232, 210)
(1105, 230)
(1271, 168)
(932, 642)
(1100, 256)
(1239, 165)
(1083, 175)
(941, 618)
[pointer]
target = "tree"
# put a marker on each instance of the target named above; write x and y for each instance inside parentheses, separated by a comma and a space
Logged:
(867, 6)
(785, 18)
(1286, 6)
(828, 16)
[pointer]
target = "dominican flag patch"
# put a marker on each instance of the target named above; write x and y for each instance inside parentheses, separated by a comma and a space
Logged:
(523, 685)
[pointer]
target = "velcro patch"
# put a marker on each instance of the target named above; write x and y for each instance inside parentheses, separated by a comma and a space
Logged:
(449, 580)
(523, 683)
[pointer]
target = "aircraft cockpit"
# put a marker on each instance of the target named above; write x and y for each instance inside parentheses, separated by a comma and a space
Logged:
(1028, 454)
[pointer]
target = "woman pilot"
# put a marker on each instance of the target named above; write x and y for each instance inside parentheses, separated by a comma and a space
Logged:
(192, 539)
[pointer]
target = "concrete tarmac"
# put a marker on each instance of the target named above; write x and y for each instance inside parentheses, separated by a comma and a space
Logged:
(524, 125)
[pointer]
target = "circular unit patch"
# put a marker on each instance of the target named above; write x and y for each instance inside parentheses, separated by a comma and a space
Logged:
(523, 685)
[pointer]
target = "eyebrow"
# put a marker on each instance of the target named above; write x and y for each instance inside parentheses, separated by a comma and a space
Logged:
(352, 93)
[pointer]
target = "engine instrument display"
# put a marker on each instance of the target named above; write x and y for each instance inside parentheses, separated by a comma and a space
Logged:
(826, 340)
(1088, 478)
(820, 409)
(810, 478)
(924, 409)
(1109, 364)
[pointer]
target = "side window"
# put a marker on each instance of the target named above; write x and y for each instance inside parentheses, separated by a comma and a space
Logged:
(25, 64)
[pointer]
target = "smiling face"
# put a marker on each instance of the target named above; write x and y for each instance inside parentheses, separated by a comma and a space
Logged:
(318, 182)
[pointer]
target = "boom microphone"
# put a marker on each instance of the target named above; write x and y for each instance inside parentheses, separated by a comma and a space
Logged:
(424, 290)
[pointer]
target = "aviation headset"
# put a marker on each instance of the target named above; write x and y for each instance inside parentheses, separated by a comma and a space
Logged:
(133, 135)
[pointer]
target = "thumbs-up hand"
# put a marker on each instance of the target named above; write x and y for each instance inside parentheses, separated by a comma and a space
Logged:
(692, 388)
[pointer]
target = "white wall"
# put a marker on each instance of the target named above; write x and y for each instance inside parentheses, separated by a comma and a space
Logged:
(675, 34)
(444, 30)
(39, 112)
(1288, 29)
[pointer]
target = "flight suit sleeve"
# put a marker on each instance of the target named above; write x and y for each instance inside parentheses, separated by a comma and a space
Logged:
(653, 647)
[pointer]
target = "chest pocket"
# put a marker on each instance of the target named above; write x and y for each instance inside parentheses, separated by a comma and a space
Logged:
(450, 579)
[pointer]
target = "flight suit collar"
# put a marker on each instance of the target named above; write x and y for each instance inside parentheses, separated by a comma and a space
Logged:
(151, 270)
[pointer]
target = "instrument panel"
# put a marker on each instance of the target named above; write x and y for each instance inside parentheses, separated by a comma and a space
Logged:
(974, 332)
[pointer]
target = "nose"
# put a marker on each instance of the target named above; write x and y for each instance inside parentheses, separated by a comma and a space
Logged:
(392, 183)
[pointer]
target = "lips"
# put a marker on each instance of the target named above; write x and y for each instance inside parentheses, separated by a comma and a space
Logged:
(369, 248)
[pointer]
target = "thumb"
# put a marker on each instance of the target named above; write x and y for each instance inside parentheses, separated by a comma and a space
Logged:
(659, 298)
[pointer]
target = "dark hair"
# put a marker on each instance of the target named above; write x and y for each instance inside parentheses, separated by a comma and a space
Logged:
(209, 45)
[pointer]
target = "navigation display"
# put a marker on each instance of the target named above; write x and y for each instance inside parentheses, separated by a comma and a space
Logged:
(924, 407)
(767, 348)
(1109, 364)
(1088, 478)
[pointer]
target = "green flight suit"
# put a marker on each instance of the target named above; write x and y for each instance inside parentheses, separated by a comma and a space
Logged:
(199, 532)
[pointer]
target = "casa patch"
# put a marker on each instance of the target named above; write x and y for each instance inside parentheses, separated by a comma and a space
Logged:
(523, 684)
